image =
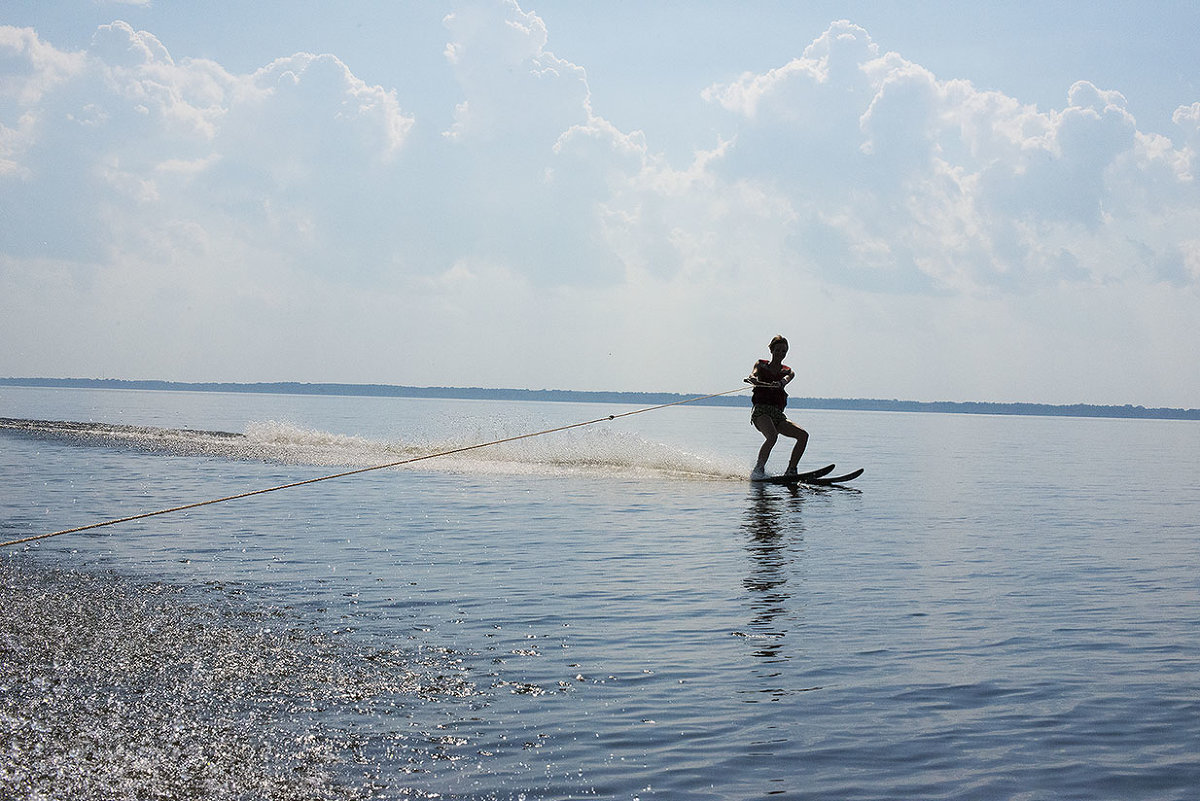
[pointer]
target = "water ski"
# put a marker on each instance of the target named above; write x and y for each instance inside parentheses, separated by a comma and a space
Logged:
(797, 477)
(828, 481)
(819, 477)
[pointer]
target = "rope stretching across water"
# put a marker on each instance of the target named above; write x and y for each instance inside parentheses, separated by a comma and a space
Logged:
(357, 471)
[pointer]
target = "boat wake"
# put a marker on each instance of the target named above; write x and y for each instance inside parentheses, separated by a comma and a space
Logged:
(596, 451)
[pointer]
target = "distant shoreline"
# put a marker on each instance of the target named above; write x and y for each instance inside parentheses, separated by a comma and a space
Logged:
(578, 396)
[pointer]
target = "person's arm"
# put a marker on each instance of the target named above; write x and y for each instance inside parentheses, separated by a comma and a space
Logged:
(754, 379)
(758, 382)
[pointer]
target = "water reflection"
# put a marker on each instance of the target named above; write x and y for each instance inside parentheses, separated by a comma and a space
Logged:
(775, 530)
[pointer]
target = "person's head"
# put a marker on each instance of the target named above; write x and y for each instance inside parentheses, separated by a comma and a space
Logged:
(779, 343)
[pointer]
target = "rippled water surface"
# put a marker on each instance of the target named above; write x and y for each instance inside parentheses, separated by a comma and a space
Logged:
(1001, 607)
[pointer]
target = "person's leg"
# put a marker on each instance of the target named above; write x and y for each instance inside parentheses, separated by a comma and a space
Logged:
(790, 429)
(770, 434)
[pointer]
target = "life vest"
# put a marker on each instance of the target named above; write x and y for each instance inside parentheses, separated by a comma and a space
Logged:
(770, 396)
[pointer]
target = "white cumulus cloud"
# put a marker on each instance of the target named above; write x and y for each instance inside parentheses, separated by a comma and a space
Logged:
(155, 203)
(122, 139)
(900, 180)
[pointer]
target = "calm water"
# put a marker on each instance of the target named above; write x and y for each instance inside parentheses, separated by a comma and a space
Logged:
(1001, 607)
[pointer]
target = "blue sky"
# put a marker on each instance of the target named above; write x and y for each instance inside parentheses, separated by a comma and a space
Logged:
(931, 200)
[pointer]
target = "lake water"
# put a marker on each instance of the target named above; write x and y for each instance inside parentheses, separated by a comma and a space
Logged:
(999, 608)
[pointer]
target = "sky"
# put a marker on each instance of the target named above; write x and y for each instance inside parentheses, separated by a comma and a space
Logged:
(931, 200)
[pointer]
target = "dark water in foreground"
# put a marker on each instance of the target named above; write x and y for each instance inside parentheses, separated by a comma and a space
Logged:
(1003, 608)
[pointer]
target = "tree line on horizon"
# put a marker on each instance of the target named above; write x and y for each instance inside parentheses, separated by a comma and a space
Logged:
(590, 396)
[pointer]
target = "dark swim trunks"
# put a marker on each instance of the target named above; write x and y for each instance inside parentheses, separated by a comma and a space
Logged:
(774, 412)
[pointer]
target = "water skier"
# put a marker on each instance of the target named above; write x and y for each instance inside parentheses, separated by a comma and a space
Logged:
(769, 398)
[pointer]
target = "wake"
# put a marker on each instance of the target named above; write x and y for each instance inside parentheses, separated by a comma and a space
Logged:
(585, 452)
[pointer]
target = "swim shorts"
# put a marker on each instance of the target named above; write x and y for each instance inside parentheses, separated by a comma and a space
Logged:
(774, 412)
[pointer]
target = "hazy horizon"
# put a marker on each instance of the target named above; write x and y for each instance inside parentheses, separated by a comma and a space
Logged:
(729, 397)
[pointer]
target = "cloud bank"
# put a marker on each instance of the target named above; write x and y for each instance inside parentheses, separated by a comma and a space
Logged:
(164, 217)
(898, 179)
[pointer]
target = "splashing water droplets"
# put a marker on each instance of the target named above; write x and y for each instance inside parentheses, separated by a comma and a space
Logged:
(580, 451)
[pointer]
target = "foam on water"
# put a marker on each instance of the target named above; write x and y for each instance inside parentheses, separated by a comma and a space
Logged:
(598, 451)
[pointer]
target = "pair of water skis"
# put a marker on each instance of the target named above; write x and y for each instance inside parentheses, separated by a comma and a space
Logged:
(819, 477)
